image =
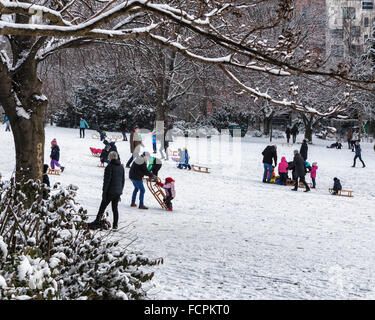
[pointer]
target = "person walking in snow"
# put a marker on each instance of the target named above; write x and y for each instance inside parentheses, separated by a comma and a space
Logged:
(113, 185)
(304, 149)
(300, 171)
(82, 126)
(294, 131)
(55, 156)
(358, 152)
(313, 170)
(283, 171)
(170, 192)
(136, 173)
(123, 130)
(135, 145)
(287, 132)
(269, 153)
(355, 138)
(154, 141)
(7, 125)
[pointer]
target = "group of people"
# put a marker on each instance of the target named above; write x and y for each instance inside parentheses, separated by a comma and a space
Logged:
(299, 167)
(292, 131)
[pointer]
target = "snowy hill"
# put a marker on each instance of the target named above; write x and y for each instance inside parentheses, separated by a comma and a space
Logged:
(231, 236)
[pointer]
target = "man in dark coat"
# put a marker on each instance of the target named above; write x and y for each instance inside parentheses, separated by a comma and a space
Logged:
(123, 129)
(287, 132)
(304, 149)
(300, 171)
(136, 173)
(269, 153)
(294, 131)
(113, 185)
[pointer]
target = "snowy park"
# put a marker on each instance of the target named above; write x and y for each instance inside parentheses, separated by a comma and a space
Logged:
(230, 236)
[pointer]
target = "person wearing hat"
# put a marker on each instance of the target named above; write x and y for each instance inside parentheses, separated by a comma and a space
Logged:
(105, 153)
(136, 173)
(113, 185)
(304, 149)
(170, 192)
(55, 155)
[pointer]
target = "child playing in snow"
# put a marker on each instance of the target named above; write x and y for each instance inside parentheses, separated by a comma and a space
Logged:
(55, 155)
(283, 171)
(154, 141)
(184, 159)
(336, 185)
(170, 192)
(313, 174)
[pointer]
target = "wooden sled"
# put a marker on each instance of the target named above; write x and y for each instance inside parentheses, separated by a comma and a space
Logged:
(172, 153)
(200, 168)
(291, 183)
(54, 172)
(342, 193)
(157, 192)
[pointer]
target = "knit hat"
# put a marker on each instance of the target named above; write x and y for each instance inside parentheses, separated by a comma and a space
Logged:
(169, 180)
(54, 142)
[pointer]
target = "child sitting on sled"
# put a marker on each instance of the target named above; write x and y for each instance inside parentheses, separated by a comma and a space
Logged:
(170, 192)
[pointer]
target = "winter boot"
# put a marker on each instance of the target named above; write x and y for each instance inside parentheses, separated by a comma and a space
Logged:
(133, 205)
(170, 209)
(143, 207)
(62, 169)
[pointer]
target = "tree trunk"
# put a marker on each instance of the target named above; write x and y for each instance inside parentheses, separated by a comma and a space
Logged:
(308, 133)
(266, 125)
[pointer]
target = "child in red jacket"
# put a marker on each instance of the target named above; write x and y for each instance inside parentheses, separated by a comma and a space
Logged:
(170, 192)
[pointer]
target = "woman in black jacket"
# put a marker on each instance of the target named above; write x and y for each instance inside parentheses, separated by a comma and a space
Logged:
(113, 184)
(136, 173)
(304, 149)
(300, 171)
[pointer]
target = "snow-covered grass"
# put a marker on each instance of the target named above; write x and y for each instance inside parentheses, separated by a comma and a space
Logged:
(231, 236)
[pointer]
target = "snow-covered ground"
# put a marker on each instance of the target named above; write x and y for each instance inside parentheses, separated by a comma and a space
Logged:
(231, 236)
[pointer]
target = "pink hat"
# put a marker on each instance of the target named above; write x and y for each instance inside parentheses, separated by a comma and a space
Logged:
(54, 142)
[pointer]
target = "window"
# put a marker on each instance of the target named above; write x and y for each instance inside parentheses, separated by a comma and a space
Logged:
(337, 50)
(348, 13)
(367, 5)
(337, 33)
(355, 31)
(355, 50)
(366, 22)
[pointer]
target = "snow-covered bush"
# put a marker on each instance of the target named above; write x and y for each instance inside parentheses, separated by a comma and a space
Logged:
(47, 252)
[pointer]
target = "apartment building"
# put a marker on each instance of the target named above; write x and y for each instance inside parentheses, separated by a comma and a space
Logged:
(349, 25)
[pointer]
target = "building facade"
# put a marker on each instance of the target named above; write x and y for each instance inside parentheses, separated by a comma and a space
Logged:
(349, 25)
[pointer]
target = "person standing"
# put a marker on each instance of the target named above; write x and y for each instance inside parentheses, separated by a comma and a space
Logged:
(154, 141)
(300, 171)
(294, 131)
(354, 139)
(136, 173)
(82, 126)
(135, 145)
(113, 185)
(269, 153)
(349, 137)
(123, 130)
(283, 171)
(287, 132)
(304, 149)
(7, 125)
(358, 152)
(55, 155)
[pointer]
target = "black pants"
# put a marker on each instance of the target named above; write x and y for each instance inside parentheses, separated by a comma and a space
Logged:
(294, 138)
(155, 169)
(359, 157)
(283, 177)
(168, 201)
(124, 138)
(104, 204)
(301, 179)
(81, 132)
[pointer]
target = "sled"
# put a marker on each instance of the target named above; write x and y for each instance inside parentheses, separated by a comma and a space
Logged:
(342, 193)
(95, 152)
(114, 138)
(55, 172)
(198, 168)
(95, 136)
(175, 159)
(291, 183)
(157, 192)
